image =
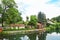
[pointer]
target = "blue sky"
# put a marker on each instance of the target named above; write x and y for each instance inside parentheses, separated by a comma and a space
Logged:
(53, 1)
(31, 7)
(56, 2)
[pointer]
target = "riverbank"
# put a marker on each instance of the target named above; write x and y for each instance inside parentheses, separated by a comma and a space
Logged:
(23, 31)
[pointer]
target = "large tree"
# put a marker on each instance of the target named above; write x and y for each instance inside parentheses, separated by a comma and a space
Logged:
(10, 13)
(42, 18)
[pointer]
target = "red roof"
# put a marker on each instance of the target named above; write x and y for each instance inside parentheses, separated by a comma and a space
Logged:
(19, 25)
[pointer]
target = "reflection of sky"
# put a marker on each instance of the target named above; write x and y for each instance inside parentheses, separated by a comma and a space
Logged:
(25, 38)
(0, 15)
(53, 36)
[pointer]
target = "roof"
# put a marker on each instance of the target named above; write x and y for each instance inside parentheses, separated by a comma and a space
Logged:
(50, 22)
(19, 25)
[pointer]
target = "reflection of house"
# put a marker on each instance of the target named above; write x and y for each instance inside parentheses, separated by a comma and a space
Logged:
(0, 29)
(17, 26)
(40, 25)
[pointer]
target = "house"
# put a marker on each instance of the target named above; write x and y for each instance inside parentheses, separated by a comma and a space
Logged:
(49, 22)
(17, 26)
(40, 25)
(29, 26)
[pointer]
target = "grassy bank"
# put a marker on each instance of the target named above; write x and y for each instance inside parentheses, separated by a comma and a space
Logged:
(51, 28)
(24, 31)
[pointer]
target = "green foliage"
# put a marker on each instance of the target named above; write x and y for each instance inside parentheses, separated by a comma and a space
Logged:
(9, 3)
(33, 20)
(12, 16)
(9, 13)
(20, 22)
(56, 19)
(0, 9)
(0, 13)
(54, 27)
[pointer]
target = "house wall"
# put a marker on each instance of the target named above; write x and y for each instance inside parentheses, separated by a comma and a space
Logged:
(40, 26)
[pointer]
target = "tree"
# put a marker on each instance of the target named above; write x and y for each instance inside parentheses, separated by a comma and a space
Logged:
(26, 23)
(33, 20)
(42, 18)
(27, 18)
(57, 19)
(13, 16)
(10, 13)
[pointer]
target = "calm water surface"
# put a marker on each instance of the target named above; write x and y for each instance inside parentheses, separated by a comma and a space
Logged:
(33, 36)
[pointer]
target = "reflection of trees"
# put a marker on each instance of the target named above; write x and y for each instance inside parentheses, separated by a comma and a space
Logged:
(16, 37)
(13, 37)
(1, 38)
(57, 31)
(32, 36)
(42, 36)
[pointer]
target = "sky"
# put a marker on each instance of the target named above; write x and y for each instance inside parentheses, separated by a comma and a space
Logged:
(32, 7)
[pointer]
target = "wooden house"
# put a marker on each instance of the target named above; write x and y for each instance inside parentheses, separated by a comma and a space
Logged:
(40, 25)
(17, 26)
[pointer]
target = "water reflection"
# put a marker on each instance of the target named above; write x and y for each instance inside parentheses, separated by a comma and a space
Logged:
(53, 36)
(1, 38)
(25, 38)
(33, 36)
(42, 36)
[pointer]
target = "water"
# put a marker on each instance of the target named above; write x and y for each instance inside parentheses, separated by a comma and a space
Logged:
(53, 36)
(33, 36)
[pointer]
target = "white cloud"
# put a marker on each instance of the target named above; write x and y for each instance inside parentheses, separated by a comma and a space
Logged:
(31, 7)
(0, 1)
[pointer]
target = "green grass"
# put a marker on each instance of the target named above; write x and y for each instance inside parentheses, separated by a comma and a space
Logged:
(18, 29)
